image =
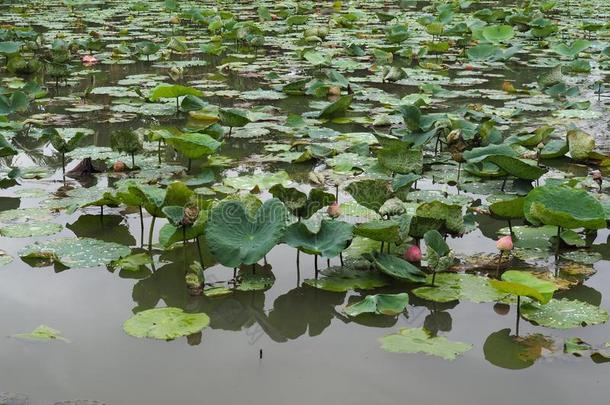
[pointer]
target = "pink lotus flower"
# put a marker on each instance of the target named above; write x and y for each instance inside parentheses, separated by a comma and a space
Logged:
(89, 60)
(333, 210)
(413, 254)
(505, 244)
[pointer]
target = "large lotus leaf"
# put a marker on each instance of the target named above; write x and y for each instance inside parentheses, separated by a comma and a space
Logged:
(76, 252)
(193, 145)
(508, 209)
(165, 323)
(580, 144)
(397, 268)
(565, 207)
(401, 159)
(450, 214)
(468, 287)
(529, 237)
(420, 340)
(342, 279)
(298, 203)
(516, 167)
(236, 238)
(263, 181)
(380, 304)
(9, 47)
(338, 108)
(515, 352)
(498, 33)
(482, 52)
(330, 239)
(573, 49)
(477, 155)
(371, 194)
(563, 313)
(524, 284)
(28, 229)
(544, 287)
(173, 91)
(41, 333)
(380, 230)
(233, 117)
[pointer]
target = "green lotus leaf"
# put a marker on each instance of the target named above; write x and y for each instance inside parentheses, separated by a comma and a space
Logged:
(233, 117)
(236, 238)
(132, 262)
(261, 181)
(165, 323)
(76, 252)
(580, 144)
(565, 207)
(466, 287)
(508, 209)
(529, 237)
(300, 204)
(477, 155)
(572, 238)
(516, 167)
(173, 91)
(41, 333)
(34, 228)
(193, 145)
(573, 49)
(434, 240)
(380, 230)
(523, 283)
(380, 304)
(330, 239)
(371, 194)
(563, 313)
(498, 33)
(397, 268)
(342, 279)
(482, 52)
(449, 215)
(337, 109)
(401, 159)
(576, 346)
(420, 340)
(582, 256)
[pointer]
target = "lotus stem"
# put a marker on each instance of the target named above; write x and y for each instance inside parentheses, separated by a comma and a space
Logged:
(253, 268)
(499, 263)
(381, 249)
(518, 314)
(558, 244)
(133, 161)
(503, 183)
(150, 232)
(315, 264)
(102, 213)
(199, 252)
(141, 225)
(433, 277)
(63, 166)
(327, 262)
(510, 229)
(337, 193)
(457, 183)
(159, 151)
(341, 258)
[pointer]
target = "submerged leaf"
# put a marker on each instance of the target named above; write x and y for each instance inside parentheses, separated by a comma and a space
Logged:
(420, 340)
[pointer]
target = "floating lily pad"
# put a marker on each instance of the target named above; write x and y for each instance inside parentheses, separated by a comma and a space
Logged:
(563, 313)
(397, 268)
(42, 333)
(381, 304)
(165, 323)
(28, 229)
(450, 287)
(76, 252)
(419, 340)
(255, 278)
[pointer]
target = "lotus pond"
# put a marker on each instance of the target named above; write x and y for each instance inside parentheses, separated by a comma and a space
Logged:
(304, 202)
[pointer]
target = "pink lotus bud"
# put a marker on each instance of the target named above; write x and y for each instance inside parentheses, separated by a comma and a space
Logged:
(89, 60)
(505, 243)
(596, 175)
(333, 210)
(413, 254)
